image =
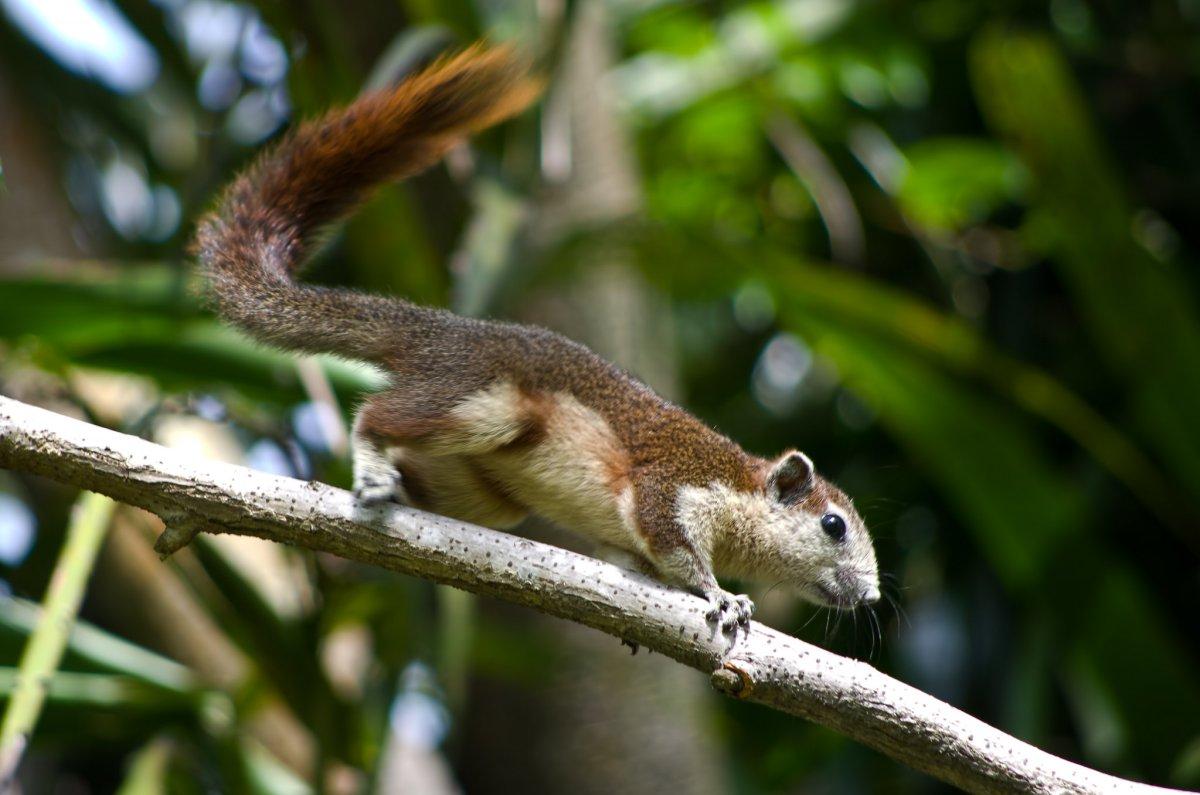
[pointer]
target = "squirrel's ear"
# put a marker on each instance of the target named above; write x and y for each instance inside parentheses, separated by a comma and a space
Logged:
(791, 479)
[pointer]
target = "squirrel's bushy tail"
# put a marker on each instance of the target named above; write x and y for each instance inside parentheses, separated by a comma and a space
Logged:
(266, 221)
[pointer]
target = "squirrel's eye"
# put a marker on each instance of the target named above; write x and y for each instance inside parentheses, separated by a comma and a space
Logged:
(834, 526)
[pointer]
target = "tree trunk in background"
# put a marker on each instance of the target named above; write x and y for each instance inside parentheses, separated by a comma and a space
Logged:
(35, 220)
(599, 722)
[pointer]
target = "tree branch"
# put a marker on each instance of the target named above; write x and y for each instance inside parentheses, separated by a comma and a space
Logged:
(764, 666)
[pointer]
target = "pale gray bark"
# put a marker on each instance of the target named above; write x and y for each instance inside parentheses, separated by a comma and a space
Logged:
(764, 666)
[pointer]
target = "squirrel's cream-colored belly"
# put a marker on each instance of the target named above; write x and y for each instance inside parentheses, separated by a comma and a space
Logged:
(455, 486)
(509, 454)
(576, 474)
(577, 496)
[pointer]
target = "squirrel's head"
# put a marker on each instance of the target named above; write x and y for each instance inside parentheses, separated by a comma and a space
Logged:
(825, 548)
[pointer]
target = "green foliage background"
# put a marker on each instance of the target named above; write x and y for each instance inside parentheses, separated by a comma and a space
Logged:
(992, 342)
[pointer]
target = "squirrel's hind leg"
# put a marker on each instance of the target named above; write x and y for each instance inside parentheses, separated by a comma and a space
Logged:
(418, 459)
(376, 478)
(386, 423)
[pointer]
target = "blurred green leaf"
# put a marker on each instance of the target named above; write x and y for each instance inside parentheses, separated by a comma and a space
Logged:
(459, 15)
(148, 770)
(678, 30)
(144, 321)
(96, 307)
(1141, 312)
(265, 775)
(92, 646)
(952, 182)
(82, 691)
(90, 519)
(456, 625)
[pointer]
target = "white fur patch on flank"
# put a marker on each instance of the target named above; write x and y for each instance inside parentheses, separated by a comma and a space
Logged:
(627, 510)
(575, 474)
(485, 420)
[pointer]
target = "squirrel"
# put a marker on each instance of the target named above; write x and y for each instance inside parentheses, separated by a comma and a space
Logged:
(488, 422)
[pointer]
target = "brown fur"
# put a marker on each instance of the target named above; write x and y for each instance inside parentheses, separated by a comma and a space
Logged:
(264, 225)
(483, 420)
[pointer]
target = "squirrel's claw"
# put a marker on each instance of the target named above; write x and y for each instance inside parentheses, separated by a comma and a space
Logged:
(378, 490)
(730, 611)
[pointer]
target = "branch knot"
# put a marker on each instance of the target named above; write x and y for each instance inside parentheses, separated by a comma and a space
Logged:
(733, 680)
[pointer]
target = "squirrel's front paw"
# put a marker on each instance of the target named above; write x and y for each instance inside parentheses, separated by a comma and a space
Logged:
(729, 611)
(378, 488)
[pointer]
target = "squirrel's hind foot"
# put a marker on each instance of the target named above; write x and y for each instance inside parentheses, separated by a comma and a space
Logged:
(378, 488)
